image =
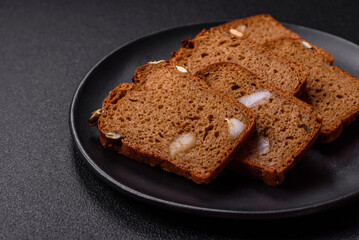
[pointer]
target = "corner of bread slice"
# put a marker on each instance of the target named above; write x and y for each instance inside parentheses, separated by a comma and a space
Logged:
(264, 28)
(143, 71)
(107, 107)
(116, 94)
(260, 28)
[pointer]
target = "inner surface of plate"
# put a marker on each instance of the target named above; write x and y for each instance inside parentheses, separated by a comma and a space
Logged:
(327, 176)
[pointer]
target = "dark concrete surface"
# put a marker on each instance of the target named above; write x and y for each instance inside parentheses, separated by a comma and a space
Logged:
(46, 190)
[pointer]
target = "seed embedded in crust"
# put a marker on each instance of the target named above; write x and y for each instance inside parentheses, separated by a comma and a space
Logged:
(236, 32)
(156, 62)
(306, 44)
(112, 135)
(95, 116)
(181, 69)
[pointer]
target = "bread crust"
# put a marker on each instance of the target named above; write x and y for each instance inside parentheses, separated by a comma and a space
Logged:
(192, 44)
(279, 28)
(275, 177)
(329, 135)
(124, 147)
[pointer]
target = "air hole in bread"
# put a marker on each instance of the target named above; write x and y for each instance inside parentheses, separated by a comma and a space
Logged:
(207, 130)
(240, 57)
(235, 87)
(234, 44)
(204, 55)
(210, 118)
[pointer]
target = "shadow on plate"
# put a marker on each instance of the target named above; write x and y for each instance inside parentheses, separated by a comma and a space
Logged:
(131, 213)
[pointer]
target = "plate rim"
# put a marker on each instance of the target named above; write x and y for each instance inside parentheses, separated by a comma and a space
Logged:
(190, 209)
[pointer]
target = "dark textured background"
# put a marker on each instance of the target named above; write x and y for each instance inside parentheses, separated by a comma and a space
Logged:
(46, 48)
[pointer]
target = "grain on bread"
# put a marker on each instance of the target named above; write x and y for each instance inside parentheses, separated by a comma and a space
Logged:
(286, 127)
(172, 119)
(332, 92)
(215, 46)
(263, 28)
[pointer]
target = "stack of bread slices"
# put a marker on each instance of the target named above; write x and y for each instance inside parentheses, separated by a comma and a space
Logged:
(249, 95)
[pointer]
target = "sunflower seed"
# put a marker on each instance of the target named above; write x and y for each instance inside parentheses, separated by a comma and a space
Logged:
(95, 116)
(156, 62)
(113, 135)
(236, 32)
(181, 69)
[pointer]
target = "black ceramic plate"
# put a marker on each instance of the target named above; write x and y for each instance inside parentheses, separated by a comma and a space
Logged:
(328, 176)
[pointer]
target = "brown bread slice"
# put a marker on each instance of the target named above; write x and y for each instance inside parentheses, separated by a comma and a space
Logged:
(332, 92)
(215, 46)
(263, 28)
(286, 127)
(174, 120)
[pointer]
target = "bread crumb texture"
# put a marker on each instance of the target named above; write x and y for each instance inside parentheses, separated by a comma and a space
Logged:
(217, 46)
(264, 28)
(332, 92)
(174, 120)
(286, 127)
